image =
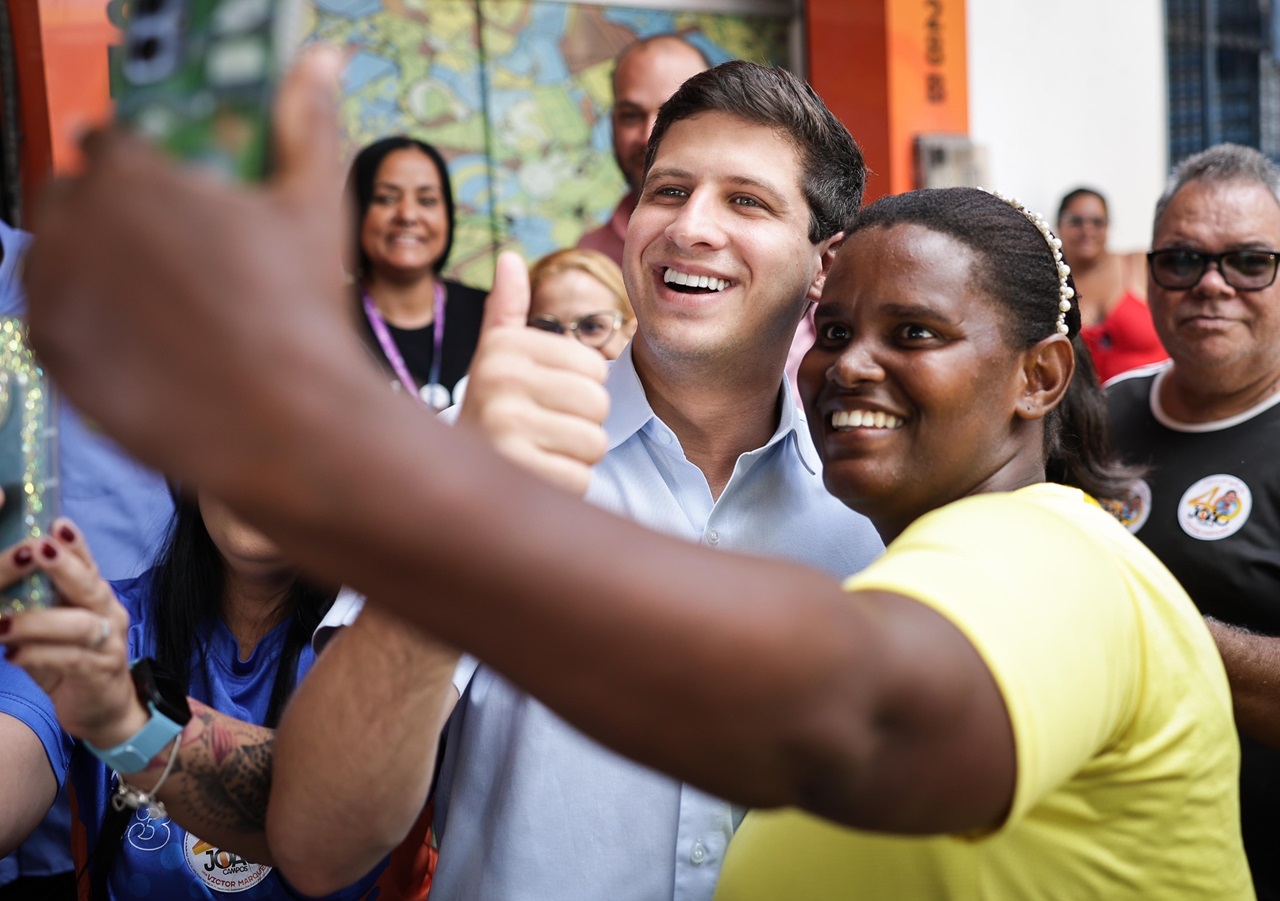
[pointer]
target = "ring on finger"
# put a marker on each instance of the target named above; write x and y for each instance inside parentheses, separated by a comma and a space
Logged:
(104, 632)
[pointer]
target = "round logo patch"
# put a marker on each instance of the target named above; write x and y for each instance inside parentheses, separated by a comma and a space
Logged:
(1215, 507)
(1131, 511)
(221, 870)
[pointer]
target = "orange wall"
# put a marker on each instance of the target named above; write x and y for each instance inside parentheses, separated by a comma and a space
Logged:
(61, 51)
(891, 70)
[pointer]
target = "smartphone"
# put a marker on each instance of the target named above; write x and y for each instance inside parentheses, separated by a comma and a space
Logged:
(198, 77)
(28, 459)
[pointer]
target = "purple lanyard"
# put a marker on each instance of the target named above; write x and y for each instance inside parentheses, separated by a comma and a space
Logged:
(388, 344)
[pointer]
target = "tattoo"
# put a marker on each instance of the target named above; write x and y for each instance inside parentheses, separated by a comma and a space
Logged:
(222, 777)
(222, 742)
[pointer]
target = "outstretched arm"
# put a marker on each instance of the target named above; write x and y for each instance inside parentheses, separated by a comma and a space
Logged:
(1253, 669)
(356, 751)
(27, 784)
(759, 680)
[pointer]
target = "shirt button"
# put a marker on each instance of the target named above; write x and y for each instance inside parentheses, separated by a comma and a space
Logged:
(664, 437)
(713, 537)
(699, 853)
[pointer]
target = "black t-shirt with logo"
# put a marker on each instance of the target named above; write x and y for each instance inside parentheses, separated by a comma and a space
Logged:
(1210, 510)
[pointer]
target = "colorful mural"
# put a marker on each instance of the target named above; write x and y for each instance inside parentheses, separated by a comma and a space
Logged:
(516, 95)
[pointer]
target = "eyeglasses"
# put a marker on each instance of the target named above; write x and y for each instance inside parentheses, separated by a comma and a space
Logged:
(593, 329)
(1075, 220)
(1245, 270)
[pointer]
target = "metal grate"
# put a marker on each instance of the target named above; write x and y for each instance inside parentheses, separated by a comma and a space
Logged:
(1220, 72)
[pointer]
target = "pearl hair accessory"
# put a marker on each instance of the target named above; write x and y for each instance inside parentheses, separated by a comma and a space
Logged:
(1065, 291)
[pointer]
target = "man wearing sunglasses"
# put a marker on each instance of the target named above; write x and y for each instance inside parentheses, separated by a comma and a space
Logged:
(1207, 423)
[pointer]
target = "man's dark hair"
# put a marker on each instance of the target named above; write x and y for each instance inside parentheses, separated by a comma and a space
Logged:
(833, 173)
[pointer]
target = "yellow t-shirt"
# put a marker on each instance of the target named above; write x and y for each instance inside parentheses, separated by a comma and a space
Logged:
(1128, 762)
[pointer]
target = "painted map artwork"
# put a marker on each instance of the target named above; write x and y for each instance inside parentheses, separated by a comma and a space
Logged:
(515, 94)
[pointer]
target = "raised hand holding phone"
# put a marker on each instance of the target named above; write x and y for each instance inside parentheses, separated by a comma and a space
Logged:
(28, 460)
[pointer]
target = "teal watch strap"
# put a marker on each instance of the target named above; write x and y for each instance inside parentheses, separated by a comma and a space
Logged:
(133, 754)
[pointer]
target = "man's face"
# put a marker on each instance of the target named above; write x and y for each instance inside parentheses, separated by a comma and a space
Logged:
(718, 261)
(1212, 327)
(644, 80)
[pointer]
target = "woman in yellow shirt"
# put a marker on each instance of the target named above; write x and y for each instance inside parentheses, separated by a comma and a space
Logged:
(1018, 701)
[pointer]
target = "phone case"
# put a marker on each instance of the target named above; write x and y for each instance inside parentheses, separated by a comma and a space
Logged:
(198, 77)
(28, 459)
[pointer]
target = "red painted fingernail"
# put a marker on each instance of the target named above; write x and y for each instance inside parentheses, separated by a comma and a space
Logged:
(5, 626)
(22, 556)
(48, 551)
(66, 534)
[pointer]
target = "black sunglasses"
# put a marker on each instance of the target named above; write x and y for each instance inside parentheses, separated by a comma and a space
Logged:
(1245, 270)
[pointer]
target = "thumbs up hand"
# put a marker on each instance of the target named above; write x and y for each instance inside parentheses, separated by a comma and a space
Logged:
(539, 398)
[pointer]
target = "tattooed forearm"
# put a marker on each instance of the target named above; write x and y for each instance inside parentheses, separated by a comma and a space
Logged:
(221, 780)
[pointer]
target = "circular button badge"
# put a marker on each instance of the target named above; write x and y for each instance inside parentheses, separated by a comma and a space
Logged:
(221, 870)
(1133, 509)
(1215, 507)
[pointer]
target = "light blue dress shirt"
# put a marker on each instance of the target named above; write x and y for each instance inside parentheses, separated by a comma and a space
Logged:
(529, 808)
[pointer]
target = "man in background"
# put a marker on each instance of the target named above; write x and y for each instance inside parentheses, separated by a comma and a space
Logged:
(1207, 424)
(645, 74)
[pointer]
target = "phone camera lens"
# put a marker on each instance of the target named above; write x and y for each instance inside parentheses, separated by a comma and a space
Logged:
(145, 49)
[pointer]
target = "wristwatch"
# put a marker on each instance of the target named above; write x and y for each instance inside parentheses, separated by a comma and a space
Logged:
(166, 702)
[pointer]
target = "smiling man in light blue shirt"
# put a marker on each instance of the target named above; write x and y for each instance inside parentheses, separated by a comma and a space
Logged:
(749, 184)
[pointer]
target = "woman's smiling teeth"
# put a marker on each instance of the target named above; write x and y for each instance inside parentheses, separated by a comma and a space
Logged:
(688, 282)
(864, 419)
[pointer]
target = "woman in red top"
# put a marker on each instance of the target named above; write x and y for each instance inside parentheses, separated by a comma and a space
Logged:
(1112, 288)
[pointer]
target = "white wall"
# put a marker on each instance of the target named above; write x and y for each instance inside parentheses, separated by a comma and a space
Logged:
(1073, 93)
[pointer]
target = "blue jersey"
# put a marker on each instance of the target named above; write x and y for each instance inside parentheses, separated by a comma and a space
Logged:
(158, 859)
(45, 852)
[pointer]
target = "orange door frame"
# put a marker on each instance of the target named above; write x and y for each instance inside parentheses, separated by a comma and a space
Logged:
(60, 47)
(891, 70)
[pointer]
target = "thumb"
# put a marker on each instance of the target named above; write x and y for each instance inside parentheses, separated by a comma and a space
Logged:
(305, 135)
(508, 303)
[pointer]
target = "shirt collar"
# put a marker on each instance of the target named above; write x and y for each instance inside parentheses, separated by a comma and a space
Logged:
(629, 412)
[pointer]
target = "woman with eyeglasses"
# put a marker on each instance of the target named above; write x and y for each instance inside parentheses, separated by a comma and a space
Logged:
(1113, 288)
(580, 293)
(421, 326)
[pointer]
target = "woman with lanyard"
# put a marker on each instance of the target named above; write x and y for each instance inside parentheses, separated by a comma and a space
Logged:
(421, 325)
